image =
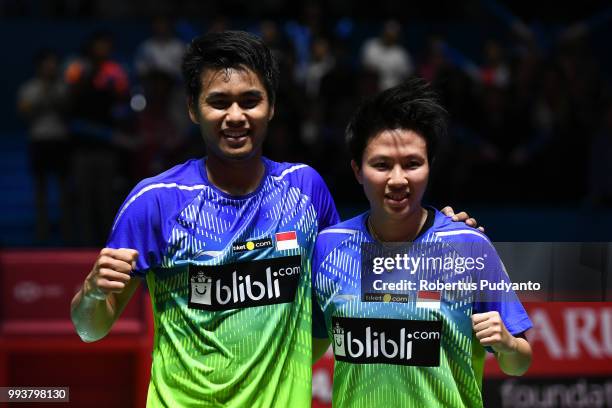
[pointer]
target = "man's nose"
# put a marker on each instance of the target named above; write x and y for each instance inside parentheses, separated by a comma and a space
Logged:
(235, 114)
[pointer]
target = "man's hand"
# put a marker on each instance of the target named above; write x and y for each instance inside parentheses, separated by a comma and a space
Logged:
(491, 331)
(105, 293)
(462, 216)
(110, 273)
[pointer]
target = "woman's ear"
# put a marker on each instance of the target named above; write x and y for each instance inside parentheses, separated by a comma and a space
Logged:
(357, 172)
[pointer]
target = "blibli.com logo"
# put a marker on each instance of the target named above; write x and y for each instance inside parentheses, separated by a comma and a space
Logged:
(245, 284)
(201, 288)
(387, 341)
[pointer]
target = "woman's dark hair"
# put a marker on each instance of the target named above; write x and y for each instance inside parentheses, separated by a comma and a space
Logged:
(412, 105)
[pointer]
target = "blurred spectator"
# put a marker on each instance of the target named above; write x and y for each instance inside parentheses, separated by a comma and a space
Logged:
(162, 52)
(321, 62)
(495, 71)
(161, 123)
(511, 117)
(302, 33)
(271, 35)
(42, 102)
(282, 143)
(161, 126)
(339, 95)
(386, 57)
(435, 61)
(99, 92)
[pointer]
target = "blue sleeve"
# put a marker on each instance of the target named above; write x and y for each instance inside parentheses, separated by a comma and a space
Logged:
(327, 215)
(138, 225)
(319, 328)
(506, 303)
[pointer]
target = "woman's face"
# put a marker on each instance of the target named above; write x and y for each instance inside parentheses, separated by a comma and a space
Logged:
(394, 172)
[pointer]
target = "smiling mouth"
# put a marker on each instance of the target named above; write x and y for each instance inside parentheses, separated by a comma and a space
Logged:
(235, 134)
(397, 199)
(235, 139)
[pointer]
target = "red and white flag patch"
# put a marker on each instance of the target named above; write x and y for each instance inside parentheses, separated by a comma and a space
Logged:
(286, 240)
(429, 299)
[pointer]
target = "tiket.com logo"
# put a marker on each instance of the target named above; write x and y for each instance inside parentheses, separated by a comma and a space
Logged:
(252, 245)
(387, 341)
(245, 284)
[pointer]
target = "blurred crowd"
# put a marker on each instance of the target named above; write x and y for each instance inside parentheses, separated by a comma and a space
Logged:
(529, 124)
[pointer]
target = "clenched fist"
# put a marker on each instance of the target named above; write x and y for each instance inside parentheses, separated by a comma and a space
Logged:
(110, 273)
(491, 331)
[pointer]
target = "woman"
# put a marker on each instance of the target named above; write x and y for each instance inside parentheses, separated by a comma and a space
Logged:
(407, 337)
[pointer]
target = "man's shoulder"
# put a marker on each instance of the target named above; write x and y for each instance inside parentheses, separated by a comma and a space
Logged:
(187, 175)
(164, 193)
(295, 173)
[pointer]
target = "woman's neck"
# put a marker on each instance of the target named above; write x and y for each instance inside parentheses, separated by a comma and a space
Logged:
(385, 229)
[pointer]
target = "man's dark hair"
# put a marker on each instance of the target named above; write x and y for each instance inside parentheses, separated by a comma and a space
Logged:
(412, 105)
(229, 50)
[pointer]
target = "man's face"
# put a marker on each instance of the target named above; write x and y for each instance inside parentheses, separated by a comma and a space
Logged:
(233, 112)
(394, 172)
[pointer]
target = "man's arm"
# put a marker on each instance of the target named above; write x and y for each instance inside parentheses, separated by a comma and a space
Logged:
(462, 217)
(319, 347)
(513, 353)
(105, 293)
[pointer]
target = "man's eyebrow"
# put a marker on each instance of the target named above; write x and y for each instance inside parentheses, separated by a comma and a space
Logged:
(253, 93)
(214, 95)
(249, 94)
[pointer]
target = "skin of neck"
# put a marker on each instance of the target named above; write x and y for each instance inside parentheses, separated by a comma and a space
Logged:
(398, 230)
(235, 177)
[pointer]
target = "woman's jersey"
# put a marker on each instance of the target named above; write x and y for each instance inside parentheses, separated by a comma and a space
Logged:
(402, 344)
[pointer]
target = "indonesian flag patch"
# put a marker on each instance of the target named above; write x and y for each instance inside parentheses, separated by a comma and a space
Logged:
(429, 299)
(286, 240)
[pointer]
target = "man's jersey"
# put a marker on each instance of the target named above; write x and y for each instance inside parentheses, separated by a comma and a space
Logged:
(230, 283)
(408, 346)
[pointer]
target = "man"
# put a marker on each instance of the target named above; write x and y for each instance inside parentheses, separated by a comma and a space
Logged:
(224, 243)
(42, 102)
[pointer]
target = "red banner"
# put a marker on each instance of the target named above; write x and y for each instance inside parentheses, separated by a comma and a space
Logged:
(568, 340)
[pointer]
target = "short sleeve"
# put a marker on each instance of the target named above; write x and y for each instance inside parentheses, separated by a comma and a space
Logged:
(138, 225)
(327, 215)
(503, 301)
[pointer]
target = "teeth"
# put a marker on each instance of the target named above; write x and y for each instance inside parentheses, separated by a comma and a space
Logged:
(236, 133)
(396, 197)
